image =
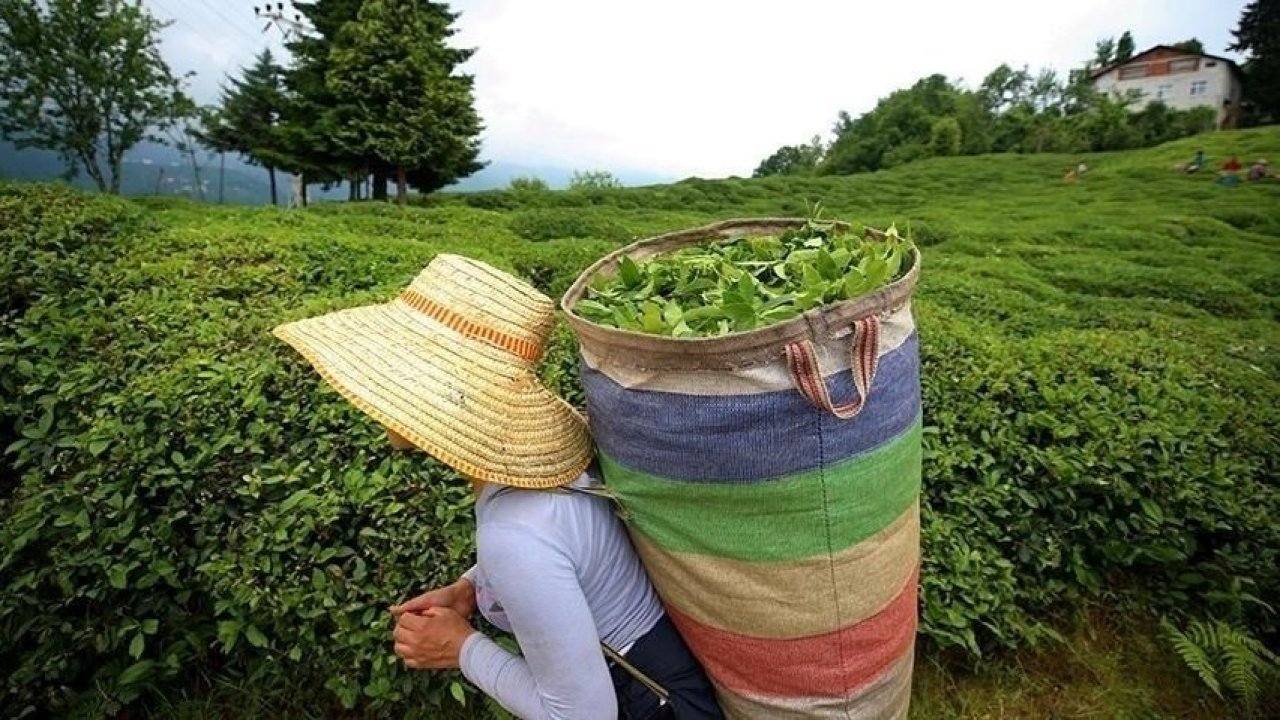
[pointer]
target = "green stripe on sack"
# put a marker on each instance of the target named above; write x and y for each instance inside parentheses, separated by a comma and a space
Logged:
(816, 511)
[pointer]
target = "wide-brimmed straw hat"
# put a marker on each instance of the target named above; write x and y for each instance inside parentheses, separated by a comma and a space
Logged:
(449, 366)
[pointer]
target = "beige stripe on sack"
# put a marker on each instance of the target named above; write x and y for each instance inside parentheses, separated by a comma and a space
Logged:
(788, 599)
(833, 356)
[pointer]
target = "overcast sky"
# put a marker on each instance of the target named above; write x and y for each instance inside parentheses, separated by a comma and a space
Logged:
(711, 87)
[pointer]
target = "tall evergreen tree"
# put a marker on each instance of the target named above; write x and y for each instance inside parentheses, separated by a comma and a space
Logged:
(306, 136)
(248, 117)
(1259, 35)
(399, 97)
(1124, 47)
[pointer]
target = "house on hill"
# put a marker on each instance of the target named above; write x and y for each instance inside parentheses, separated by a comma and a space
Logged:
(1180, 79)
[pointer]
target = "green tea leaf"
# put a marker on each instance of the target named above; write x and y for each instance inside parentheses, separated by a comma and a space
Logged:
(629, 272)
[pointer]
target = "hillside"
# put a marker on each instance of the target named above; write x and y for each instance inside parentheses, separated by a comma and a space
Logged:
(1102, 409)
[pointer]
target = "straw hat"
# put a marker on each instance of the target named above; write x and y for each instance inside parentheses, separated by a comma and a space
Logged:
(449, 366)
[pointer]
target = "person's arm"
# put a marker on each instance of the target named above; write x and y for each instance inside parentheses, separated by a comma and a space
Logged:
(562, 673)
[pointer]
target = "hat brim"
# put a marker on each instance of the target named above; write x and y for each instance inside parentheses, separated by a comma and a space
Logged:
(473, 406)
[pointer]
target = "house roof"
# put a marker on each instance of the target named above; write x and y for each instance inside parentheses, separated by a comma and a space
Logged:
(1104, 70)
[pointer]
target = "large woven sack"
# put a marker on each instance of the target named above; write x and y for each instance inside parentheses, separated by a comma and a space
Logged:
(770, 480)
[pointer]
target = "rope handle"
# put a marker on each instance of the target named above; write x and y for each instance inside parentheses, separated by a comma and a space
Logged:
(802, 362)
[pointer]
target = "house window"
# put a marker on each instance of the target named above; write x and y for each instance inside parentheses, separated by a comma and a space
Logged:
(1211, 63)
(1199, 87)
(1128, 72)
(1164, 92)
(1184, 65)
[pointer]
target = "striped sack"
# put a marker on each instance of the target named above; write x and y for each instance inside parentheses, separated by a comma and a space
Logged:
(771, 480)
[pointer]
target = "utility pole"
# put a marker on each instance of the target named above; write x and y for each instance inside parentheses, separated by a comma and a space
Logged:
(290, 27)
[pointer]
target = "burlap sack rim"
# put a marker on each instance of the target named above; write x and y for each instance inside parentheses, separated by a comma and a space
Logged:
(729, 352)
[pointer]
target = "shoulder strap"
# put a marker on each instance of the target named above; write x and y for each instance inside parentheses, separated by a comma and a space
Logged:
(637, 673)
(599, 491)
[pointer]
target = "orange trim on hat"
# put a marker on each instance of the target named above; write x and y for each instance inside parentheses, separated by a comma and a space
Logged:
(526, 349)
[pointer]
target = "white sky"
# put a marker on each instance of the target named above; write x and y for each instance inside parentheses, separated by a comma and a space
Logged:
(711, 87)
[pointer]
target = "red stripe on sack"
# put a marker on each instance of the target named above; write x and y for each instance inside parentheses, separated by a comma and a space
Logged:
(810, 666)
(470, 328)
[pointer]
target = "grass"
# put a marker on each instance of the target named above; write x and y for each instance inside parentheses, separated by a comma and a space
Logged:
(1108, 668)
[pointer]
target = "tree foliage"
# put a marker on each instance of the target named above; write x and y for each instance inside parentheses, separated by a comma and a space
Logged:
(1192, 45)
(84, 78)
(399, 99)
(1011, 110)
(1124, 47)
(792, 159)
(248, 117)
(1258, 34)
(593, 180)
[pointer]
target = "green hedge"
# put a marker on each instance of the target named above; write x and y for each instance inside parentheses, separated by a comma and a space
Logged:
(185, 503)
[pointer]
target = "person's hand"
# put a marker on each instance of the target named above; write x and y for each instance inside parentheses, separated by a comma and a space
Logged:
(459, 597)
(431, 640)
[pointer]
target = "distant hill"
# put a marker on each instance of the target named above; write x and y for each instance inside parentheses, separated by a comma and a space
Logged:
(497, 174)
(153, 169)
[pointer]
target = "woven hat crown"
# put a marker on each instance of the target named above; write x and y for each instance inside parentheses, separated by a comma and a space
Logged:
(483, 303)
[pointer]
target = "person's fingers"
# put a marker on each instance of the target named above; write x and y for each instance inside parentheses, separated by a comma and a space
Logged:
(414, 664)
(405, 631)
(413, 621)
(402, 649)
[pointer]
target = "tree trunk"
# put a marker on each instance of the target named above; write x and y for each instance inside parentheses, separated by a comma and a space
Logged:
(379, 185)
(222, 175)
(271, 171)
(351, 189)
(90, 163)
(115, 176)
(195, 173)
(304, 189)
(402, 186)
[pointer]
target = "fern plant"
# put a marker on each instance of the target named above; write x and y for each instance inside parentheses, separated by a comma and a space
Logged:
(1225, 656)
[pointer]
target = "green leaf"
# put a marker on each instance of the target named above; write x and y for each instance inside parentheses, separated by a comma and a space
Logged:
(117, 575)
(672, 314)
(40, 430)
(651, 320)
(137, 646)
(826, 265)
(136, 672)
(629, 272)
(455, 689)
(255, 636)
(229, 633)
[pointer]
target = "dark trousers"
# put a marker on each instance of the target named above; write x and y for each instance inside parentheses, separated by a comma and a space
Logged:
(662, 655)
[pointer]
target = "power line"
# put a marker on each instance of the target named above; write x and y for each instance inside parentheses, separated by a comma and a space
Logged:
(243, 33)
(173, 17)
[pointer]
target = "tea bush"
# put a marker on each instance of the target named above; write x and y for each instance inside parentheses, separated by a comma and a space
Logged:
(553, 223)
(183, 502)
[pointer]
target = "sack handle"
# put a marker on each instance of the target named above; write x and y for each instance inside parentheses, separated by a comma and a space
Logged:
(802, 361)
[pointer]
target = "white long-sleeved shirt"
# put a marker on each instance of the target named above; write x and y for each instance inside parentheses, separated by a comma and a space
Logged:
(557, 570)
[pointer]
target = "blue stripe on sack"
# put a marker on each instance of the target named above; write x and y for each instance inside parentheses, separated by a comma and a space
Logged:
(737, 438)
